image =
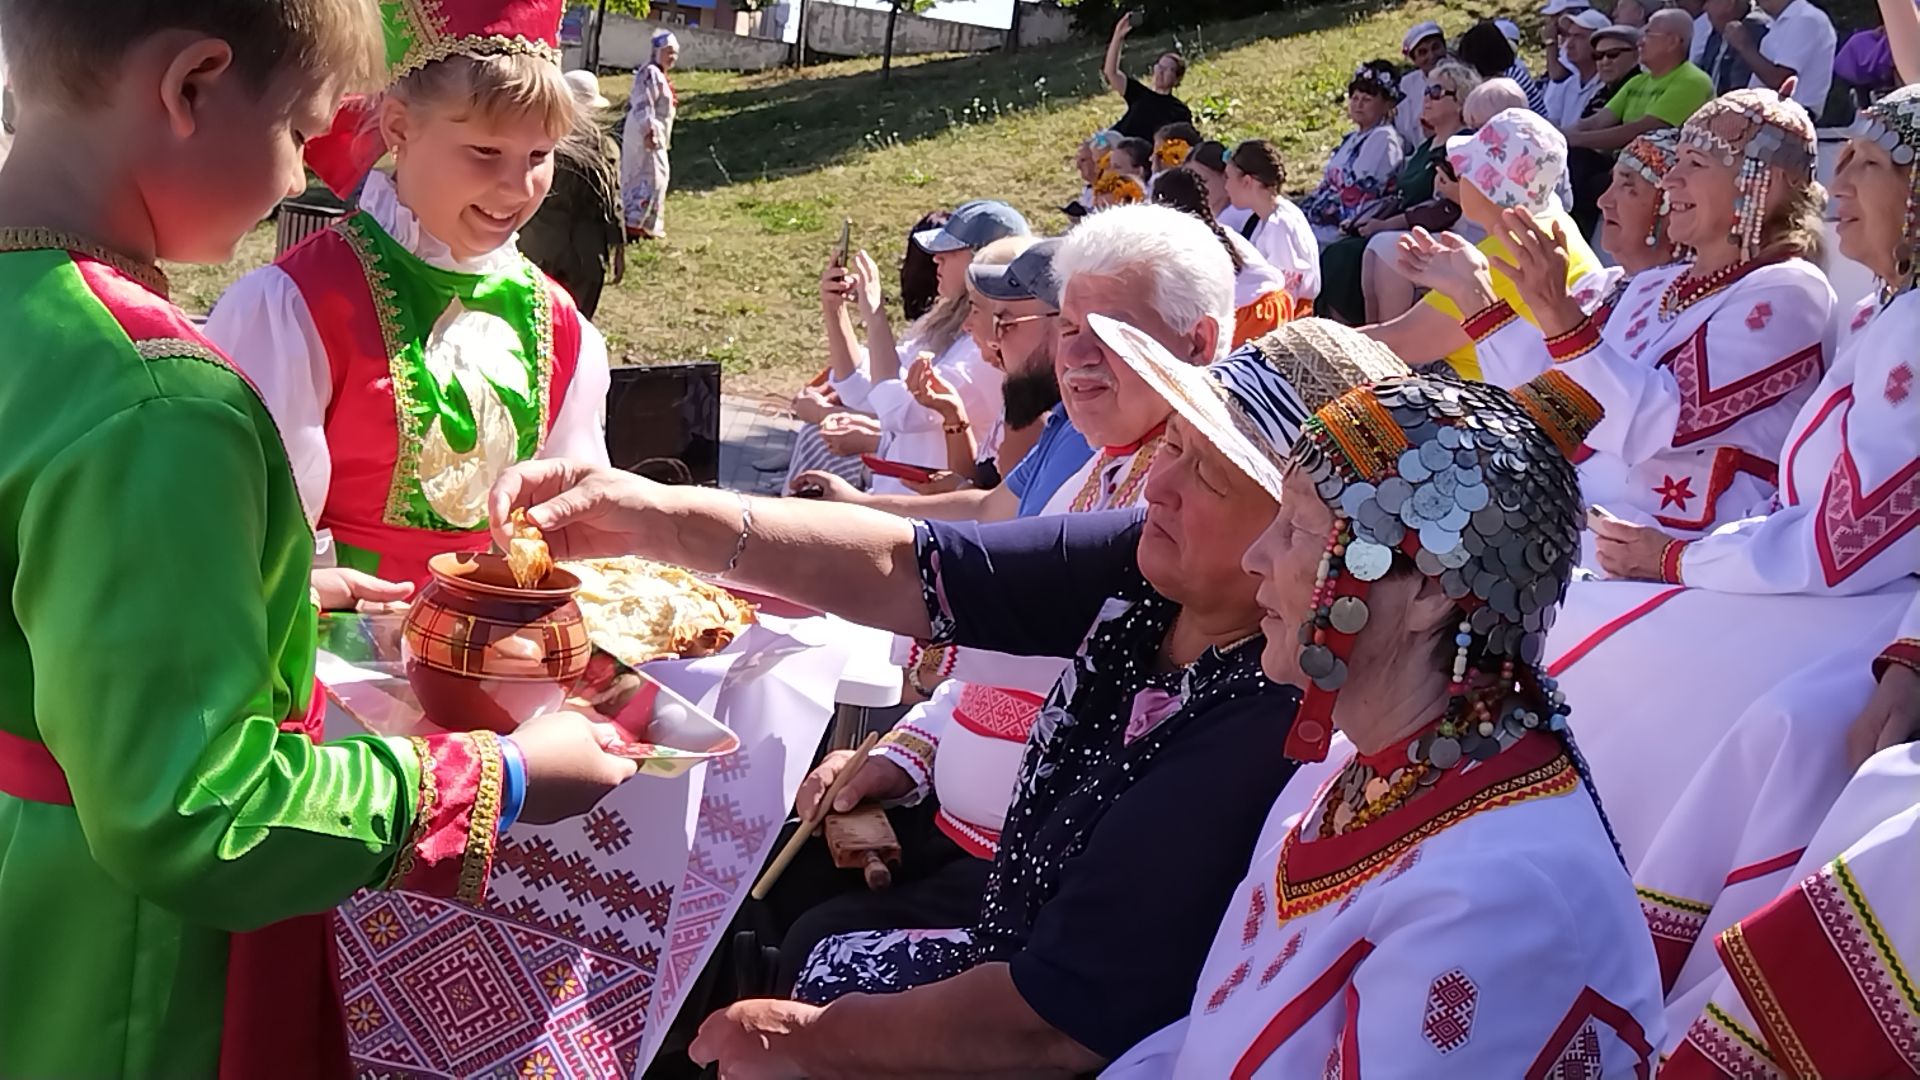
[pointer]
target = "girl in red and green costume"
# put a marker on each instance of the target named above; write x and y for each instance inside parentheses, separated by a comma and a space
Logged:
(169, 822)
(411, 353)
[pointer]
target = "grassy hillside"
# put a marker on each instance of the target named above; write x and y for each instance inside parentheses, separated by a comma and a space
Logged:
(766, 166)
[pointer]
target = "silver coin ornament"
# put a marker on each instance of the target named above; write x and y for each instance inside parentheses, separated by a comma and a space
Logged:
(1348, 614)
(1368, 561)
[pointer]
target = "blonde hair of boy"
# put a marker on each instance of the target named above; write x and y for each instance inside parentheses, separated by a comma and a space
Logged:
(57, 49)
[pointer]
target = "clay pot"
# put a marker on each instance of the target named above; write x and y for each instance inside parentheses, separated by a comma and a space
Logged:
(481, 652)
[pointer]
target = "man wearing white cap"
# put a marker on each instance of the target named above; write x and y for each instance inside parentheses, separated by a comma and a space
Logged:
(1557, 19)
(1567, 98)
(1424, 46)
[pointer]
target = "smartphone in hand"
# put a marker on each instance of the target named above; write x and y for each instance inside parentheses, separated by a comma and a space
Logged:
(841, 252)
(898, 470)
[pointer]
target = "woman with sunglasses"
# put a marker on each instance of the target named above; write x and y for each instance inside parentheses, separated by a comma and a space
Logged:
(1358, 284)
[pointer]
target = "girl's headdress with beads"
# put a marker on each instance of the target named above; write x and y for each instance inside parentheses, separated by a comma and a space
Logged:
(1471, 486)
(1894, 123)
(1754, 130)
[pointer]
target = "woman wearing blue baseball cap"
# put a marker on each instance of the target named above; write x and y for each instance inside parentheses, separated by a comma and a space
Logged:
(873, 378)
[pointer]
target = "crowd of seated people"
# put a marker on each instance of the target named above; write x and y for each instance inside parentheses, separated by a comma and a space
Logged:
(1519, 680)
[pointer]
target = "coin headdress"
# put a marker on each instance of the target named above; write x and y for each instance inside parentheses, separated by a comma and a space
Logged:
(1755, 130)
(1471, 486)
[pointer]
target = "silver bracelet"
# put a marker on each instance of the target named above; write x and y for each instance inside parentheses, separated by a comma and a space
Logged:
(746, 528)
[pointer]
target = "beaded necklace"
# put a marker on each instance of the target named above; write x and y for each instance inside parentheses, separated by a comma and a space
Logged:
(1686, 290)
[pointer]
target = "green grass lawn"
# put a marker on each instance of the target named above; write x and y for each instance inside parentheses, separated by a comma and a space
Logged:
(766, 165)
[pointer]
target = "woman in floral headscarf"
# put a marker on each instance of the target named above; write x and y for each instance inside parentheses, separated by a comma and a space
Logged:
(1360, 172)
(644, 168)
(1633, 225)
(1512, 164)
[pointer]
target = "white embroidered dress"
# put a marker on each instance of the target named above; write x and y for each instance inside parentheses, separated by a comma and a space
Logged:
(1484, 929)
(1698, 401)
(1716, 777)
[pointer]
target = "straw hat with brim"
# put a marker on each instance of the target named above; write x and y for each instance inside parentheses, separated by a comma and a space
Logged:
(586, 89)
(1251, 405)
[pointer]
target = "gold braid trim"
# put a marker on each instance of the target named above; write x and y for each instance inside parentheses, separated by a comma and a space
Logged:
(483, 821)
(39, 239)
(1766, 1007)
(422, 813)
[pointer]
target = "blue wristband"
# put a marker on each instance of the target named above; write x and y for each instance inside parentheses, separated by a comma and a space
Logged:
(513, 785)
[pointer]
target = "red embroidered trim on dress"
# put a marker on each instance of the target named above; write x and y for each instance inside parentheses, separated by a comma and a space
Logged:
(1313, 873)
(1591, 1005)
(1728, 462)
(1905, 652)
(1670, 561)
(1483, 323)
(1301, 1009)
(1613, 626)
(1782, 861)
(1856, 525)
(1707, 410)
(1576, 342)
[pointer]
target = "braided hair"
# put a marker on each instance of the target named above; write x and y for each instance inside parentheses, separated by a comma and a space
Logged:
(1182, 189)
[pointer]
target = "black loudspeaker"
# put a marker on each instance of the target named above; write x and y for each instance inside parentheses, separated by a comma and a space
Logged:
(663, 422)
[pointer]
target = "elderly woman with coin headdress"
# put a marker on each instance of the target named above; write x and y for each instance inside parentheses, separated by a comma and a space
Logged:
(1750, 678)
(1162, 736)
(1447, 902)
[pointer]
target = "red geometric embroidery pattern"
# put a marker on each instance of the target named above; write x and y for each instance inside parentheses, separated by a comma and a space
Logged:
(1707, 410)
(1863, 316)
(996, 713)
(1760, 316)
(1352, 899)
(1899, 383)
(1334, 1069)
(1857, 525)
(1731, 1048)
(1451, 1001)
(1638, 325)
(1675, 492)
(1405, 864)
(1287, 953)
(1256, 914)
(1673, 918)
(1226, 988)
(1580, 1060)
(607, 831)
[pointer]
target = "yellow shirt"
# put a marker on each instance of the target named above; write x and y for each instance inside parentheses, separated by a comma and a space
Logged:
(1580, 263)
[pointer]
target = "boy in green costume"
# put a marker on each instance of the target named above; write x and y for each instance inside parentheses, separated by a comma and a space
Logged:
(169, 823)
